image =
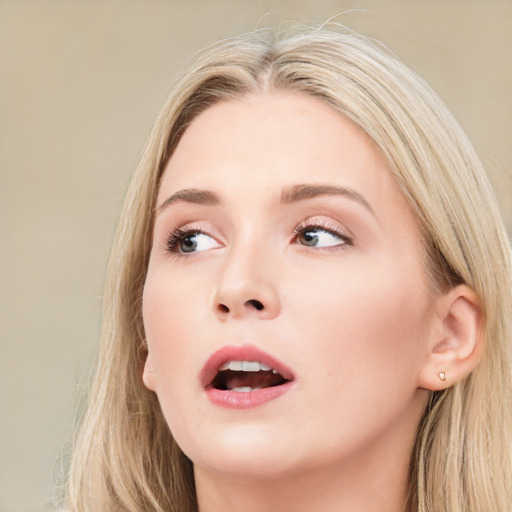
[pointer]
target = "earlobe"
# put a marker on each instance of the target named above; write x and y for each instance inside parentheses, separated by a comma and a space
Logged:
(148, 375)
(455, 352)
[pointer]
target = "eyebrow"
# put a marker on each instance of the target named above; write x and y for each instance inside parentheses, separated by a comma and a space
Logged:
(289, 195)
(191, 195)
(302, 192)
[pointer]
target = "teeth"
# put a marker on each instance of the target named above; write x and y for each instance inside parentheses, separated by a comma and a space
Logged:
(243, 389)
(235, 366)
(245, 366)
(250, 366)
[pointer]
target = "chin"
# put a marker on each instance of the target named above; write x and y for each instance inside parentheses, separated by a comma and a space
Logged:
(246, 453)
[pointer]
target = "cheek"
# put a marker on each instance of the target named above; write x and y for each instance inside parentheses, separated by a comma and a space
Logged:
(367, 325)
(171, 300)
(158, 307)
(163, 308)
(364, 345)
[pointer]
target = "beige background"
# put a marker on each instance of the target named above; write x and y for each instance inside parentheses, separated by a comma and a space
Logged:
(81, 82)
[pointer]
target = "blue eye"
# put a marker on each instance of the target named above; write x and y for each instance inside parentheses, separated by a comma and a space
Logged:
(317, 236)
(190, 241)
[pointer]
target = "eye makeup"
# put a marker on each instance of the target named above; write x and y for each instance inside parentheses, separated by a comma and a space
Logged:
(321, 234)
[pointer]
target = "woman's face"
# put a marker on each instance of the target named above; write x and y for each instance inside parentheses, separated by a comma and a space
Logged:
(286, 306)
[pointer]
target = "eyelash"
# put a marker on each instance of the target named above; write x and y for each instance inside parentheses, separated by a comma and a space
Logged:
(329, 227)
(179, 234)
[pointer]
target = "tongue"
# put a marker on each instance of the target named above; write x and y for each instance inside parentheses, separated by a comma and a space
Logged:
(256, 380)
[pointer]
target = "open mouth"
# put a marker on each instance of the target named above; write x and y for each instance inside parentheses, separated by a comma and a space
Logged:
(246, 376)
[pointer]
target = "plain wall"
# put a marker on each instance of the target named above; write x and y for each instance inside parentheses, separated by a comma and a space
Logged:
(81, 83)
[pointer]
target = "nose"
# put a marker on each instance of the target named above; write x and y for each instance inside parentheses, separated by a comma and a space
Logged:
(246, 287)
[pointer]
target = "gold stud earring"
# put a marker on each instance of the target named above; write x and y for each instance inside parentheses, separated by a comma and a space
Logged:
(442, 376)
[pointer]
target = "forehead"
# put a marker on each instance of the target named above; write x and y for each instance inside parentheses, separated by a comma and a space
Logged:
(273, 139)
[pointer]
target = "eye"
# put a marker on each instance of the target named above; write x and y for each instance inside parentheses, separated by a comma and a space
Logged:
(320, 236)
(186, 241)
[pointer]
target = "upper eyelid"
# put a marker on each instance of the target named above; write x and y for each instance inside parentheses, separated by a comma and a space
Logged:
(190, 227)
(194, 227)
(327, 225)
(318, 224)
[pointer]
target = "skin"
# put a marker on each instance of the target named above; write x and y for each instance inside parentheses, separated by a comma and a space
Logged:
(352, 316)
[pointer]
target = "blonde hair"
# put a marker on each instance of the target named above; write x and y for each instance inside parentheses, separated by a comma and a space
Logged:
(126, 458)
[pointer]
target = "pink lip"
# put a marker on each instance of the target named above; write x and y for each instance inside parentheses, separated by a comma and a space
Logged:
(236, 399)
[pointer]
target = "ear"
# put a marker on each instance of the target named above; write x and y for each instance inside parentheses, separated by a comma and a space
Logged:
(455, 348)
(148, 375)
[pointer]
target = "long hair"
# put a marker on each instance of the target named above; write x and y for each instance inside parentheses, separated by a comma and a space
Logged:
(126, 458)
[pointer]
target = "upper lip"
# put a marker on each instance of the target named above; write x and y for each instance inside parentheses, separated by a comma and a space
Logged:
(240, 353)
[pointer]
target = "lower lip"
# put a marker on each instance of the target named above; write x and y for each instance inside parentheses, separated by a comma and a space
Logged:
(248, 399)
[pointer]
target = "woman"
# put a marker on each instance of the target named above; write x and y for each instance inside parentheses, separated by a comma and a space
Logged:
(301, 308)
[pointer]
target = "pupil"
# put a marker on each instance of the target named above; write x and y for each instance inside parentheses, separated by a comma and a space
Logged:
(310, 238)
(188, 244)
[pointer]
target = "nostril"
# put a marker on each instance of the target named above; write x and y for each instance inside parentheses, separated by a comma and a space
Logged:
(256, 304)
(223, 308)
